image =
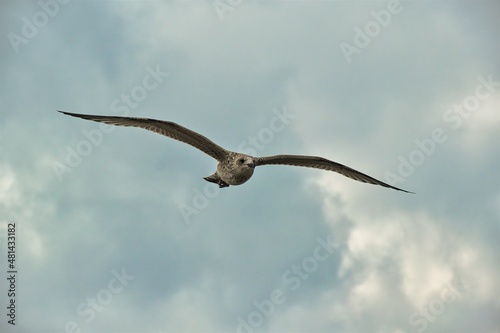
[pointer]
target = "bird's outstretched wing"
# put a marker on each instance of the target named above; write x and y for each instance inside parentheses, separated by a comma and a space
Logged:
(167, 128)
(321, 163)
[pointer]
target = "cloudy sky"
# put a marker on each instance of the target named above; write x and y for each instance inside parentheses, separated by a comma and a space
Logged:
(116, 231)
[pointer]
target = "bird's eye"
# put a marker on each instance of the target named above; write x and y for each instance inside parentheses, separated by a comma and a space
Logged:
(241, 160)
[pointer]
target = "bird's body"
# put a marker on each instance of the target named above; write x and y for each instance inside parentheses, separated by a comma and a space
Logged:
(234, 168)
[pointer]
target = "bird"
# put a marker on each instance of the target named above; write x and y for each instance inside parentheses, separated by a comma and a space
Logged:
(233, 168)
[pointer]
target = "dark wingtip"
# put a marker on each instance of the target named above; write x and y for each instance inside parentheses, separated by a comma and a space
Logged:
(76, 115)
(399, 189)
(396, 188)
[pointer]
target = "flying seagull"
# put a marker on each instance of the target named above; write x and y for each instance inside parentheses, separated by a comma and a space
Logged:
(233, 168)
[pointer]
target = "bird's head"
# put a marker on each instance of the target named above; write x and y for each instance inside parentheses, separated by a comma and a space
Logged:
(244, 162)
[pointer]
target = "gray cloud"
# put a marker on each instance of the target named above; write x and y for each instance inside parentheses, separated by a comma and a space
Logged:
(119, 208)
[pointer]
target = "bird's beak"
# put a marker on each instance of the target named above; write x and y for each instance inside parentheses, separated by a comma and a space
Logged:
(251, 164)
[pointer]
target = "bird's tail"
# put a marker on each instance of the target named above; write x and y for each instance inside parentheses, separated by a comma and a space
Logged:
(214, 178)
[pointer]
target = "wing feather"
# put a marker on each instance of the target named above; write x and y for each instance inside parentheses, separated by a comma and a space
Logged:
(321, 163)
(167, 128)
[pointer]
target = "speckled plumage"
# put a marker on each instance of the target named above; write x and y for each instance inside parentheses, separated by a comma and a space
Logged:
(233, 168)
